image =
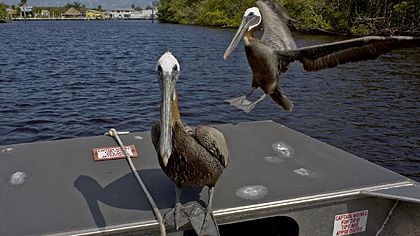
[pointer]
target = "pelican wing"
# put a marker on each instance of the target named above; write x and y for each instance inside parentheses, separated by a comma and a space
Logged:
(330, 55)
(188, 129)
(276, 32)
(214, 141)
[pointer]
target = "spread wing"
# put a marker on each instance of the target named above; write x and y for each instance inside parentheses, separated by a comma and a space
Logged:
(214, 141)
(276, 32)
(330, 55)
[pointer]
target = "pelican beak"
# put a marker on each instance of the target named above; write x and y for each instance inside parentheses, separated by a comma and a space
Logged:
(247, 21)
(168, 88)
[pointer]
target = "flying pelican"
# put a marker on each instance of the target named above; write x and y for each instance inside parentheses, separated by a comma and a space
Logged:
(272, 54)
(188, 157)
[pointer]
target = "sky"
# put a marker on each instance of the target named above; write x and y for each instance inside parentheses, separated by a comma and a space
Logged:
(106, 4)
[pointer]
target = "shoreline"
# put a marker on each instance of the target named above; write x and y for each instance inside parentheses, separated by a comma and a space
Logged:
(71, 19)
(315, 31)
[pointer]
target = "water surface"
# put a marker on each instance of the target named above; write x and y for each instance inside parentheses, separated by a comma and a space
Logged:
(67, 79)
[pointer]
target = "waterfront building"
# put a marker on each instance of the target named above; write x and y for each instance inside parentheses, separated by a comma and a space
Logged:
(131, 14)
(71, 13)
(93, 14)
(12, 13)
(123, 13)
(144, 14)
(136, 15)
(45, 13)
(25, 10)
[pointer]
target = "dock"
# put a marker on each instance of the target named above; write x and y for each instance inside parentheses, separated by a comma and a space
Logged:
(275, 174)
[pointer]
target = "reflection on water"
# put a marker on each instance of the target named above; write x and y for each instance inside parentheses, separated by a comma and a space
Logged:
(73, 79)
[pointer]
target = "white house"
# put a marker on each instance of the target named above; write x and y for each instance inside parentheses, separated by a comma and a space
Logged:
(144, 14)
(45, 13)
(121, 13)
(26, 9)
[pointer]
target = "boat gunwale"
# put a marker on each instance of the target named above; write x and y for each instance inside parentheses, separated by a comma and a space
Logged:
(253, 212)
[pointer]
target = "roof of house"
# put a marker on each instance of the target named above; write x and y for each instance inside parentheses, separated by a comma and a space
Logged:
(98, 12)
(72, 12)
(122, 9)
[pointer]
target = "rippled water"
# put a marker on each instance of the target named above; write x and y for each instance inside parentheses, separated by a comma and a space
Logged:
(65, 79)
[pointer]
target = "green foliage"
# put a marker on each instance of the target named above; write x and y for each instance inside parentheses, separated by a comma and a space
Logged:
(407, 15)
(310, 14)
(56, 11)
(76, 5)
(356, 17)
(212, 13)
(204, 12)
(359, 30)
(3, 13)
(177, 11)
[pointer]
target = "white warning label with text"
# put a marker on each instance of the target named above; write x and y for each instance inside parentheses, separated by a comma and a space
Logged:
(350, 223)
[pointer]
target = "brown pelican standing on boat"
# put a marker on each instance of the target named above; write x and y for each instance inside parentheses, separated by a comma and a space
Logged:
(188, 158)
(272, 54)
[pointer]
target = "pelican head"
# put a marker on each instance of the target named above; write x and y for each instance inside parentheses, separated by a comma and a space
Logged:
(250, 20)
(167, 71)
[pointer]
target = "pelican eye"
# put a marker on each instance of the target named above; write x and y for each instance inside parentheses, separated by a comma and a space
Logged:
(175, 68)
(159, 68)
(251, 13)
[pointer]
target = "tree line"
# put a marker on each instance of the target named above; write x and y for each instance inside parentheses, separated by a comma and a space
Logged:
(346, 17)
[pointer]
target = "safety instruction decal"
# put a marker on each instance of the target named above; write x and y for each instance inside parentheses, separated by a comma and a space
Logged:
(350, 223)
(110, 153)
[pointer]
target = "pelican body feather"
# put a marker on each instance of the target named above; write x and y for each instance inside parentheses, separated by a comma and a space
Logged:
(190, 164)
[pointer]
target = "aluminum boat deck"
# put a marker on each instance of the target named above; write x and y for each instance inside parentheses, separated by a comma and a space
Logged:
(274, 173)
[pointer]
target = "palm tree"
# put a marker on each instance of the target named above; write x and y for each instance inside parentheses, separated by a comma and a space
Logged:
(77, 6)
(24, 3)
(84, 10)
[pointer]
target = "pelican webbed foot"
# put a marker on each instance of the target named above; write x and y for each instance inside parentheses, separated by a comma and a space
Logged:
(180, 214)
(204, 223)
(242, 103)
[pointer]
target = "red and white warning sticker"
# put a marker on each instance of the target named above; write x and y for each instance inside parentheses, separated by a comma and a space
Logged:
(110, 153)
(350, 223)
